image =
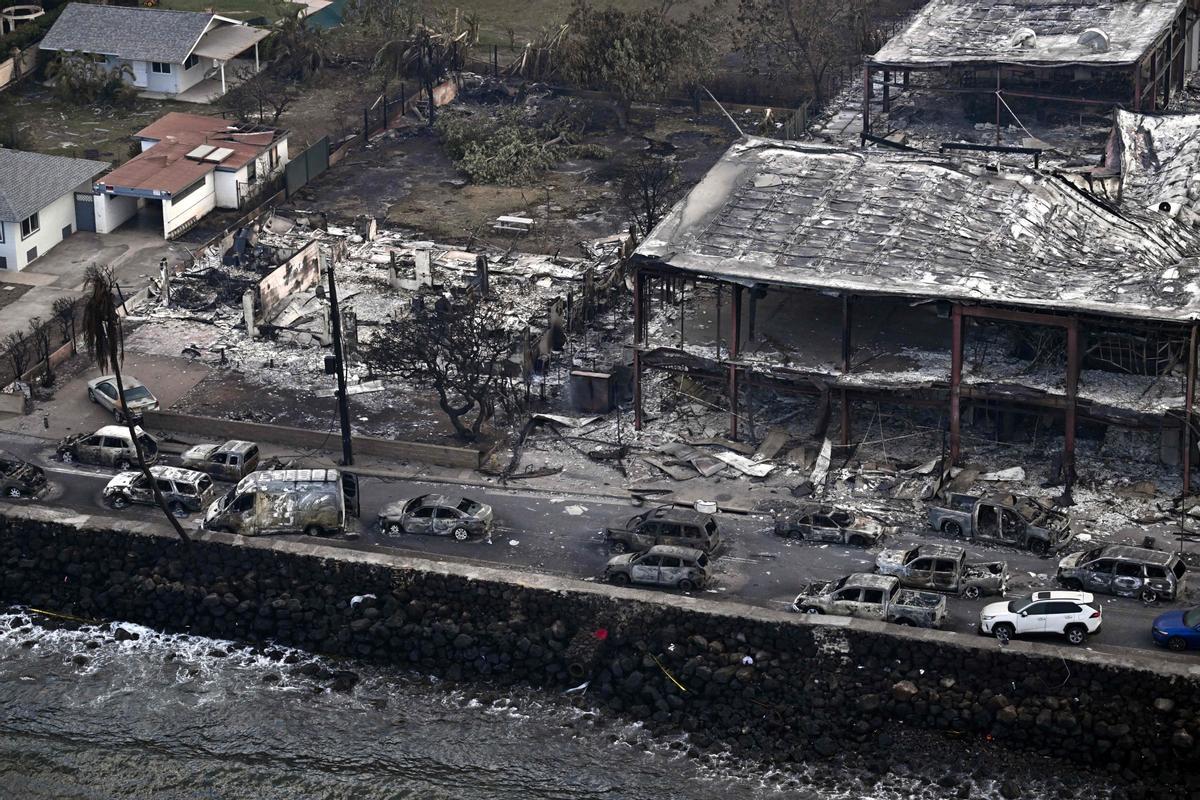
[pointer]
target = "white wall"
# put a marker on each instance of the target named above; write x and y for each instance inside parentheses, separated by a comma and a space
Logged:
(227, 196)
(51, 219)
(10, 232)
(194, 206)
(113, 211)
(190, 77)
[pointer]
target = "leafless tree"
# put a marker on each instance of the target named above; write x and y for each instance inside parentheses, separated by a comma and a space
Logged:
(459, 351)
(64, 314)
(39, 334)
(259, 94)
(104, 339)
(649, 188)
(16, 346)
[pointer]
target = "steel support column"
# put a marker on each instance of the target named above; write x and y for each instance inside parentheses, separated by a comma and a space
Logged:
(1072, 391)
(639, 339)
(637, 390)
(866, 106)
(735, 335)
(956, 359)
(846, 348)
(1189, 403)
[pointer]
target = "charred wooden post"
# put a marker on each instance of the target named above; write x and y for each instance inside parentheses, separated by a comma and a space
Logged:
(1189, 402)
(866, 106)
(1073, 366)
(639, 340)
(847, 324)
(735, 335)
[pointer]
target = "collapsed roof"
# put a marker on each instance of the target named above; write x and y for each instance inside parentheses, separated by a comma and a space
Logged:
(910, 225)
(1159, 160)
(1031, 32)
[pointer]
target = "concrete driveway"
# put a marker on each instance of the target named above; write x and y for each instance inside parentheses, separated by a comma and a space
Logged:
(134, 254)
(70, 411)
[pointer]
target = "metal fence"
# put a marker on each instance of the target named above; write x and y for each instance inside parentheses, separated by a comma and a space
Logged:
(306, 166)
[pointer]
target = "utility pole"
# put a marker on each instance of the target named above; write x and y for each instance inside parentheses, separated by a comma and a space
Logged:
(335, 322)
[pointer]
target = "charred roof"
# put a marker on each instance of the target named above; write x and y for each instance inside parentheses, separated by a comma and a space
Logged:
(912, 225)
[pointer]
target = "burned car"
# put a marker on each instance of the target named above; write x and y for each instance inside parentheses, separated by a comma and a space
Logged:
(872, 597)
(682, 568)
(19, 478)
(111, 446)
(831, 524)
(665, 525)
(1016, 520)
(943, 568)
(438, 515)
(184, 490)
(231, 461)
(1124, 571)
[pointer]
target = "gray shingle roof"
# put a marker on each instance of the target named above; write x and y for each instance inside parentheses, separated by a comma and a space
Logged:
(31, 181)
(138, 34)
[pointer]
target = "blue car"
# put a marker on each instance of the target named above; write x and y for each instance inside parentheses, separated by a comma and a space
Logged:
(1178, 630)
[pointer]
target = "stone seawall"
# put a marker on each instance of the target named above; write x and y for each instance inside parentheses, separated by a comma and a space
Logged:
(766, 683)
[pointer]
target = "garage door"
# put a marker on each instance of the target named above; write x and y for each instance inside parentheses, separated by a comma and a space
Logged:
(85, 212)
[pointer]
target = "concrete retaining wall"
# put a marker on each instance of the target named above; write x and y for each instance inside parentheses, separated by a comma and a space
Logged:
(762, 682)
(301, 439)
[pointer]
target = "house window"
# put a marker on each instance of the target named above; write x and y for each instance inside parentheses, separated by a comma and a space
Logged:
(251, 171)
(30, 225)
(190, 62)
(274, 158)
(161, 67)
(175, 198)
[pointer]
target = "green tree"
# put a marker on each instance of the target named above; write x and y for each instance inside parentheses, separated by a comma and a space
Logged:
(638, 56)
(78, 79)
(104, 340)
(299, 50)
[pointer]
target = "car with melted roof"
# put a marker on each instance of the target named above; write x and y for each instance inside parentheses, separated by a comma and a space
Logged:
(1028, 523)
(19, 478)
(682, 568)
(110, 446)
(943, 568)
(230, 461)
(872, 597)
(185, 490)
(665, 525)
(825, 523)
(1124, 571)
(437, 515)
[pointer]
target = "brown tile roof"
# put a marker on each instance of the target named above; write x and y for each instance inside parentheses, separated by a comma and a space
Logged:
(162, 168)
(247, 140)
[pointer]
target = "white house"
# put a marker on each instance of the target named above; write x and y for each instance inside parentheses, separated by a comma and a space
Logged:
(189, 165)
(39, 199)
(180, 55)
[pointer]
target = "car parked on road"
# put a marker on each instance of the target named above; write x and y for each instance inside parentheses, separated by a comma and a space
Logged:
(1178, 629)
(1124, 571)
(1015, 520)
(138, 399)
(872, 597)
(111, 446)
(943, 568)
(683, 568)
(315, 502)
(185, 490)
(1075, 615)
(823, 523)
(667, 525)
(437, 515)
(231, 461)
(19, 478)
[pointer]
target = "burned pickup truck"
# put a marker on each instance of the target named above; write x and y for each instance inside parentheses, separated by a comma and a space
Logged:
(1015, 520)
(872, 597)
(943, 568)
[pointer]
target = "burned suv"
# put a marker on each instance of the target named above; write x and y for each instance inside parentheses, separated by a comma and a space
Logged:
(1125, 571)
(665, 525)
(19, 478)
(831, 524)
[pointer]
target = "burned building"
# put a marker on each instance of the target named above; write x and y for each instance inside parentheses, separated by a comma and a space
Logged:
(1013, 61)
(879, 276)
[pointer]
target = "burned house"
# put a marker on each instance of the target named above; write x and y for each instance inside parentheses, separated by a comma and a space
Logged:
(982, 294)
(1008, 61)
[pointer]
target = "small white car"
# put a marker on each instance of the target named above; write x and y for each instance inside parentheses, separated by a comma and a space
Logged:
(1075, 615)
(138, 399)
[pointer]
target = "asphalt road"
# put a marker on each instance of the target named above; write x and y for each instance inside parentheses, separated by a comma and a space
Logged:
(541, 532)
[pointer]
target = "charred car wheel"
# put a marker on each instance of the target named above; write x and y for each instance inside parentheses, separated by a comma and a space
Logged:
(14, 491)
(393, 529)
(1076, 634)
(119, 501)
(970, 592)
(124, 465)
(857, 541)
(66, 457)
(618, 547)
(952, 529)
(686, 586)
(460, 534)
(811, 610)
(1038, 547)
(1148, 595)
(177, 509)
(619, 579)
(314, 530)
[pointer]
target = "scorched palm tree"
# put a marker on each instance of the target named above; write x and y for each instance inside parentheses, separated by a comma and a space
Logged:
(104, 339)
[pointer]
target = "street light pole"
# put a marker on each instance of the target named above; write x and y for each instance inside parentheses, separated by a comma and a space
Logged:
(335, 322)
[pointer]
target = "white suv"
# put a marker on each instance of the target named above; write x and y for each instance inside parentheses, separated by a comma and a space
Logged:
(1070, 614)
